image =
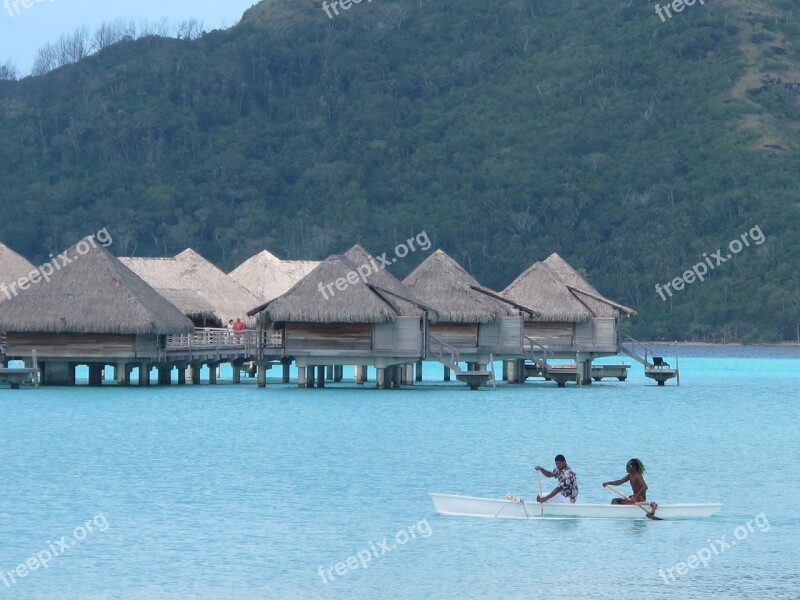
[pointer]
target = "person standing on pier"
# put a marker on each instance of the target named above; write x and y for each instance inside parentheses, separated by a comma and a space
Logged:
(238, 327)
(567, 489)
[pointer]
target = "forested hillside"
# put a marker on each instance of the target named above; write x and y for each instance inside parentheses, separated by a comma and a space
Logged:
(506, 130)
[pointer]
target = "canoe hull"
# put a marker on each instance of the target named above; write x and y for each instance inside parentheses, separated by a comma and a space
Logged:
(500, 508)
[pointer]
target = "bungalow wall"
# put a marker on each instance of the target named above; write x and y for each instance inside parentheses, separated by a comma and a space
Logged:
(73, 345)
(401, 337)
(458, 335)
(593, 335)
(555, 336)
(502, 335)
(327, 336)
(596, 335)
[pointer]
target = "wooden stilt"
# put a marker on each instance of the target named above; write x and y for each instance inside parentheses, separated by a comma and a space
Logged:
(144, 373)
(380, 378)
(95, 374)
(237, 371)
(164, 374)
(285, 378)
(408, 374)
(262, 375)
(310, 379)
(321, 376)
(123, 374)
(301, 377)
(397, 376)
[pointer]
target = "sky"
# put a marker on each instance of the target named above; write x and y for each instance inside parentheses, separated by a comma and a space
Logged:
(24, 31)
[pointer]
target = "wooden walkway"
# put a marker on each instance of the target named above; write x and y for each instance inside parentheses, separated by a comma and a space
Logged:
(222, 345)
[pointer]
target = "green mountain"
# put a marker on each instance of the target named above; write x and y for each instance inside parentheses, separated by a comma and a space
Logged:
(506, 130)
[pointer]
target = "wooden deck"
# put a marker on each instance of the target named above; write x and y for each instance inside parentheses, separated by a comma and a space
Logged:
(220, 344)
(16, 377)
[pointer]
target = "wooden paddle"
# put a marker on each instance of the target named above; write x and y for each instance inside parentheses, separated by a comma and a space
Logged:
(650, 513)
(539, 477)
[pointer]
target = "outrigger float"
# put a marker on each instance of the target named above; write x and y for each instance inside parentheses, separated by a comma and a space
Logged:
(518, 508)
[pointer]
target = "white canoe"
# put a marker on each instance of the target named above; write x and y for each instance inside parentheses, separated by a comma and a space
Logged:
(519, 508)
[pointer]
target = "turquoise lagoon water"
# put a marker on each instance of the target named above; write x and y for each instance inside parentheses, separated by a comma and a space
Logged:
(238, 492)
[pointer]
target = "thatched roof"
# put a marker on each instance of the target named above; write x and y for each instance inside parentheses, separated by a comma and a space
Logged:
(542, 290)
(12, 267)
(206, 285)
(190, 303)
(268, 277)
(440, 282)
(404, 300)
(315, 299)
(585, 292)
(95, 293)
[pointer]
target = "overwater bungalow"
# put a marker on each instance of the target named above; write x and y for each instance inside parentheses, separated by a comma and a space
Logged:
(574, 321)
(466, 324)
(599, 305)
(93, 311)
(13, 267)
(203, 292)
(268, 277)
(333, 317)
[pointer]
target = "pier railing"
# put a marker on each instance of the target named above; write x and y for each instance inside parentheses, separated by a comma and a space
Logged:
(443, 352)
(637, 351)
(247, 342)
(539, 362)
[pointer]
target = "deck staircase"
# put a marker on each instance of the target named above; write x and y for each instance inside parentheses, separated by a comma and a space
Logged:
(656, 369)
(536, 365)
(446, 354)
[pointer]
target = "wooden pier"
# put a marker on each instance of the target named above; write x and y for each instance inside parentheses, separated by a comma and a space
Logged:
(336, 315)
(657, 369)
(15, 377)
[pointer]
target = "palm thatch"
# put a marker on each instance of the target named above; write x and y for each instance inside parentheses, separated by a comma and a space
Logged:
(95, 293)
(12, 267)
(191, 304)
(440, 282)
(268, 277)
(586, 293)
(316, 299)
(192, 273)
(541, 289)
(403, 299)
